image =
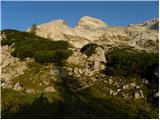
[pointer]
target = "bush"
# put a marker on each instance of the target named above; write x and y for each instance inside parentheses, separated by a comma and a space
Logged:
(42, 49)
(89, 49)
(129, 63)
(7, 42)
(57, 56)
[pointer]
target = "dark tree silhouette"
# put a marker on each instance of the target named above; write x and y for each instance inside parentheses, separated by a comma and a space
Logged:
(33, 29)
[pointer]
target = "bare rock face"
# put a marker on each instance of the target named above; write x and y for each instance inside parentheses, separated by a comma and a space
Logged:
(98, 58)
(87, 22)
(140, 36)
(95, 62)
(11, 66)
(77, 59)
(53, 29)
(149, 24)
(86, 69)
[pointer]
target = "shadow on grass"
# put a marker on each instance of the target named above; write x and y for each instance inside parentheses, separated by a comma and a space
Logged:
(81, 104)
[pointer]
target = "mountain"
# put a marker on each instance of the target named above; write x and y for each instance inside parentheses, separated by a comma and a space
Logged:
(92, 30)
(91, 71)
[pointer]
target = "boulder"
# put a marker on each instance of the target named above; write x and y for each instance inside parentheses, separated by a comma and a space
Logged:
(111, 91)
(17, 87)
(30, 91)
(98, 59)
(132, 85)
(138, 95)
(141, 93)
(145, 81)
(6, 85)
(118, 90)
(110, 81)
(137, 86)
(77, 59)
(156, 94)
(114, 93)
(126, 86)
(50, 89)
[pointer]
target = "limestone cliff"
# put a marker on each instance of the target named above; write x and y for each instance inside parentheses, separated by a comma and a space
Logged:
(141, 36)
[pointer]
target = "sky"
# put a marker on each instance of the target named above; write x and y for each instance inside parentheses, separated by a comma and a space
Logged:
(21, 15)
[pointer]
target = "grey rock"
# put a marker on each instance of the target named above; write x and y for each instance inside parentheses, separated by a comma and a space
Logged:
(30, 91)
(126, 86)
(50, 89)
(114, 93)
(11, 66)
(137, 87)
(137, 95)
(141, 94)
(17, 87)
(111, 91)
(156, 94)
(110, 81)
(145, 81)
(55, 72)
(6, 85)
(118, 90)
(132, 85)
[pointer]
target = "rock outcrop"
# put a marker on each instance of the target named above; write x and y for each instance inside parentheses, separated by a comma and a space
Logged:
(11, 66)
(141, 36)
(87, 22)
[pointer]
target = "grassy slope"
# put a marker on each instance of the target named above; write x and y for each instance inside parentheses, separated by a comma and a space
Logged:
(65, 103)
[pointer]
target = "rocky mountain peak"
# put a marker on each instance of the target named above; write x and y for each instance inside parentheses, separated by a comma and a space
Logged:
(152, 24)
(55, 23)
(90, 22)
(92, 30)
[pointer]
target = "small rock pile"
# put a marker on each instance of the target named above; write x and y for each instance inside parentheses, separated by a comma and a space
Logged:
(86, 69)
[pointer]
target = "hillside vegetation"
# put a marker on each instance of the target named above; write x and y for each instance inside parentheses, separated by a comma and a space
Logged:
(111, 88)
(41, 49)
(129, 63)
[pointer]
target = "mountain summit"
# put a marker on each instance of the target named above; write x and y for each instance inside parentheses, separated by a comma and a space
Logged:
(90, 22)
(92, 30)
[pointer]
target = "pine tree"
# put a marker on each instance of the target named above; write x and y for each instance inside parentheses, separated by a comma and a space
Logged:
(33, 29)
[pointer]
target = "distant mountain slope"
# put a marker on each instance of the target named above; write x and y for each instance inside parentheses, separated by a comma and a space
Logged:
(89, 29)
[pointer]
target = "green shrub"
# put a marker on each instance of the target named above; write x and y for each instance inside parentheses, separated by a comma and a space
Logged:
(57, 56)
(89, 49)
(129, 63)
(42, 49)
(44, 56)
(7, 42)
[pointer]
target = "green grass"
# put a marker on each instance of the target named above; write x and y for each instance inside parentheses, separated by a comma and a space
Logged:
(36, 75)
(14, 101)
(68, 104)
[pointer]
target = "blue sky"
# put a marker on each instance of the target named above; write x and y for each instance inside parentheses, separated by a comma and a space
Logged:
(21, 15)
